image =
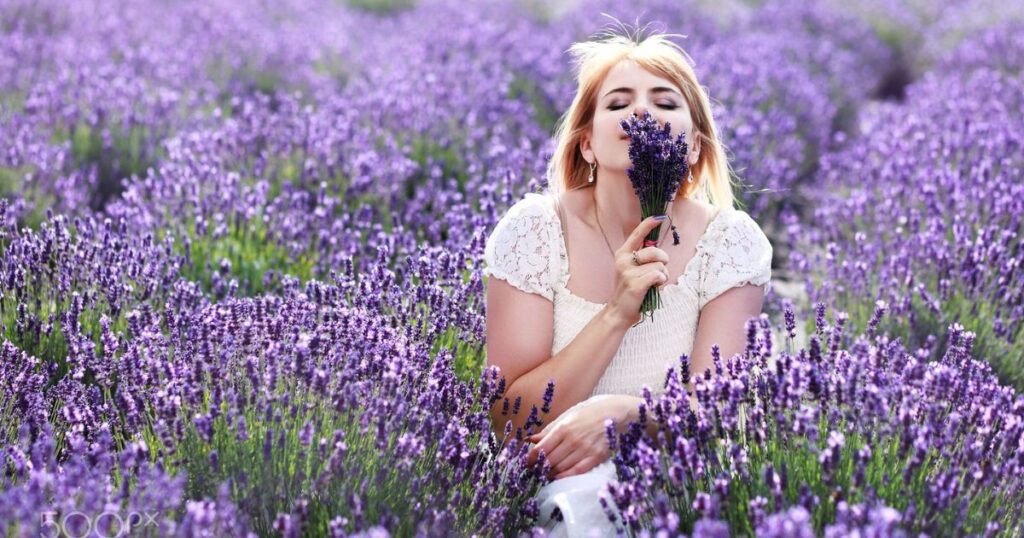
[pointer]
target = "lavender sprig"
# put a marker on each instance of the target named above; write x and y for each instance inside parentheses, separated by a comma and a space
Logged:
(659, 164)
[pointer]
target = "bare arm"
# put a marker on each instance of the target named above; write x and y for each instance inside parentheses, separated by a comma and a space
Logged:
(744, 258)
(520, 331)
(722, 321)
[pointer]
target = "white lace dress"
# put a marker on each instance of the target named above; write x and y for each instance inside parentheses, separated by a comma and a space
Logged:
(527, 249)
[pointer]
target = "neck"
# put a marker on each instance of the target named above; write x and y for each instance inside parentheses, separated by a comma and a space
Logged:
(616, 204)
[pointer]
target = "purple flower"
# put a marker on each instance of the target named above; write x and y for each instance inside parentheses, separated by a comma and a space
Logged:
(795, 522)
(659, 165)
(711, 528)
(549, 393)
(790, 319)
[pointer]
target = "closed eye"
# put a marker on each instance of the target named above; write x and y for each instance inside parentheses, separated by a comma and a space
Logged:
(666, 107)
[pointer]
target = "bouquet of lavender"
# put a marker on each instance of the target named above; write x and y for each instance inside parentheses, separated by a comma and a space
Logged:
(659, 165)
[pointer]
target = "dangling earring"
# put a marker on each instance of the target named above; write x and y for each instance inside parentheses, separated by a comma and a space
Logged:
(592, 167)
(690, 179)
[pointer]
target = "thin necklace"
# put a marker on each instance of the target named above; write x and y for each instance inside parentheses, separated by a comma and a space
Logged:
(610, 249)
(596, 217)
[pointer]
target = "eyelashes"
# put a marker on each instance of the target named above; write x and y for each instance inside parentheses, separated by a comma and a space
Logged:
(666, 107)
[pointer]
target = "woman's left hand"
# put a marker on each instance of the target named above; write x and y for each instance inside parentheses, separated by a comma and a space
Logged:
(576, 442)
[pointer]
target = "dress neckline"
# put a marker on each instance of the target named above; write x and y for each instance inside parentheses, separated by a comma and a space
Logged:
(563, 282)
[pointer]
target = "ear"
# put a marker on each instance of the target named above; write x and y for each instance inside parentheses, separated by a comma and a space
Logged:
(585, 148)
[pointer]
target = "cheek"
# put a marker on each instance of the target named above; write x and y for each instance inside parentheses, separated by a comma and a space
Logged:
(684, 123)
(607, 128)
(610, 125)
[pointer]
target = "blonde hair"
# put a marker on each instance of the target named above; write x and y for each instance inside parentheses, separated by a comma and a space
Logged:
(568, 170)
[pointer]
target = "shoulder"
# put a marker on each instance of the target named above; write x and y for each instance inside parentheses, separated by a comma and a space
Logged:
(737, 244)
(737, 225)
(519, 249)
(740, 253)
(529, 220)
(532, 211)
(532, 205)
(532, 214)
(694, 212)
(577, 203)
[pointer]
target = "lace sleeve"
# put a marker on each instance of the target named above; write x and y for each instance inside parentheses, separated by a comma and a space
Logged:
(521, 250)
(740, 254)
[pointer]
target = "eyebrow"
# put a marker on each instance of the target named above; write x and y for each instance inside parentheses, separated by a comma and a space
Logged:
(659, 89)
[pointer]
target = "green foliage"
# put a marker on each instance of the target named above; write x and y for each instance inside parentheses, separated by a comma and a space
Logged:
(250, 251)
(368, 468)
(544, 112)
(884, 473)
(14, 186)
(426, 151)
(540, 10)
(335, 66)
(127, 155)
(12, 100)
(1005, 355)
(248, 79)
(927, 326)
(44, 303)
(382, 7)
(469, 356)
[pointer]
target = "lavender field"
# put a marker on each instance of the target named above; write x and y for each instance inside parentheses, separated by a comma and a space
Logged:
(241, 253)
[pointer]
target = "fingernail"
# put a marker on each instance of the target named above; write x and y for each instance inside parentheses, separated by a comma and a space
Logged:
(661, 217)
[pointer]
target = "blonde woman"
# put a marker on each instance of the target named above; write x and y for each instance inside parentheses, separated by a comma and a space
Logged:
(567, 271)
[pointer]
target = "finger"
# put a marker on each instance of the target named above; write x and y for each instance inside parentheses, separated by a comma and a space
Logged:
(544, 432)
(547, 444)
(656, 265)
(662, 272)
(534, 455)
(648, 278)
(554, 446)
(581, 467)
(568, 461)
(635, 239)
(652, 254)
(660, 268)
(662, 279)
(562, 453)
(534, 452)
(647, 268)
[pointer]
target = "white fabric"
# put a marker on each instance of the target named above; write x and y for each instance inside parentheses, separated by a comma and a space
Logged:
(576, 497)
(523, 248)
(527, 250)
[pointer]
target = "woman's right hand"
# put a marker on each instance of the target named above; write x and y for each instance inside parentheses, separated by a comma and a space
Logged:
(631, 280)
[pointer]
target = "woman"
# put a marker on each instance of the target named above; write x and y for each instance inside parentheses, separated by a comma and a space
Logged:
(568, 274)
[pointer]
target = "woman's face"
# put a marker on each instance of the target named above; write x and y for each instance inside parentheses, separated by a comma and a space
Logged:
(630, 89)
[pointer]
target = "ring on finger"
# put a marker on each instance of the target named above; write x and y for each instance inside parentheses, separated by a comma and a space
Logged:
(636, 258)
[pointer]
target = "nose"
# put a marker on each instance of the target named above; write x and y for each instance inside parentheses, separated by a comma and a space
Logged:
(641, 106)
